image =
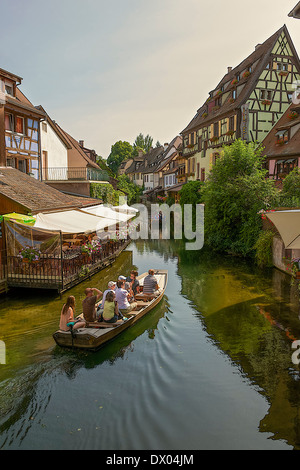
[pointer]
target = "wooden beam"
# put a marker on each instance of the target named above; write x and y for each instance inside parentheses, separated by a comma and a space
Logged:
(2, 137)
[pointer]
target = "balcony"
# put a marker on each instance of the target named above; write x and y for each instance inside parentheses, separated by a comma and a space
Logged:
(74, 174)
(75, 181)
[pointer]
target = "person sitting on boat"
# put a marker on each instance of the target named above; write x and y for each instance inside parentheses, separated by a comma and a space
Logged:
(67, 320)
(110, 288)
(151, 286)
(134, 283)
(110, 310)
(89, 304)
(122, 296)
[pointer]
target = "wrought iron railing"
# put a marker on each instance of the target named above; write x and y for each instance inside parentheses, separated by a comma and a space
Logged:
(74, 174)
(60, 273)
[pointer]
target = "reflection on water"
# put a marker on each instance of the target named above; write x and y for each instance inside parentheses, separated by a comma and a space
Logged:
(209, 368)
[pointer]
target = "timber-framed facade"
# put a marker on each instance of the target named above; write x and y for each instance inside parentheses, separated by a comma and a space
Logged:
(246, 104)
(19, 128)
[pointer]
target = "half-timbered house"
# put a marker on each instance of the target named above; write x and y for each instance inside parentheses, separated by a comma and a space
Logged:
(246, 104)
(19, 127)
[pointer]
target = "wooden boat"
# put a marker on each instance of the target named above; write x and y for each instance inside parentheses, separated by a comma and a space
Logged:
(95, 335)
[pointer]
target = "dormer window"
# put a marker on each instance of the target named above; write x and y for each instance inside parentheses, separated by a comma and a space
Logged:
(9, 90)
(282, 137)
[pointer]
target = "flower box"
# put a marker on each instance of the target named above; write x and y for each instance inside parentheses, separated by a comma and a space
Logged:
(266, 102)
(29, 255)
(283, 73)
(214, 139)
(293, 115)
(246, 74)
(234, 82)
(229, 133)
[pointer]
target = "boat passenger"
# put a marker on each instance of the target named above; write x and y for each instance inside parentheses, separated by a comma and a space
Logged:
(110, 311)
(89, 304)
(122, 296)
(110, 288)
(151, 286)
(67, 319)
(134, 283)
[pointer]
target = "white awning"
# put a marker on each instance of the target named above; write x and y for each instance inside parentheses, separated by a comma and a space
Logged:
(108, 213)
(126, 209)
(73, 221)
(288, 225)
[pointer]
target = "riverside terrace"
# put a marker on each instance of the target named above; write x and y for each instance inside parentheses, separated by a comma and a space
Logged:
(42, 257)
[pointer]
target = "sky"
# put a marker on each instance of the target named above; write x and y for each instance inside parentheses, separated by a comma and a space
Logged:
(109, 70)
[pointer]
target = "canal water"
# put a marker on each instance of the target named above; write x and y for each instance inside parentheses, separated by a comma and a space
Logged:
(209, 368)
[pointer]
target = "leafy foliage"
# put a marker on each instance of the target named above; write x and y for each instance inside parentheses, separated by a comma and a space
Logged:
(290, 194)
(120, 151)
(234, 193)
(142, 143)
(264, 249)
(132, 190)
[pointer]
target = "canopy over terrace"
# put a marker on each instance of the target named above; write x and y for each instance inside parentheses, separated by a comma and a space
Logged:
(92, 219)
(56, 264)
(288, 225)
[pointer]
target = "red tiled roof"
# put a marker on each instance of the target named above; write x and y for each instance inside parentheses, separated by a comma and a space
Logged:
(291, 148)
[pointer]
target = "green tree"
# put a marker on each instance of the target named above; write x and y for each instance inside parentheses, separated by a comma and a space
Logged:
(290, 194)
(142, 143)
(132, 190)
(120, 151)
(234, 193)
(191, 193)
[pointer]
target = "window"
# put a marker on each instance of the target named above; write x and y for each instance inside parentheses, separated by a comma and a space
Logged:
(19, 125)
(44, 126)
(282, 137)
(9, 90)
(9, 122)
(202, 174)
(266, 95)
(231, 123)
(234, 95)
(22, 166)
(216, 129)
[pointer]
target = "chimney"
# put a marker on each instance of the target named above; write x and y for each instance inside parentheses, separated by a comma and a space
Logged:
(257, 46)
(141, 153)
(166, 145)
(229, 69)
(81, 143)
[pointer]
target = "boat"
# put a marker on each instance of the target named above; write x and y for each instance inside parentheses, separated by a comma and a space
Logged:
(97, 334)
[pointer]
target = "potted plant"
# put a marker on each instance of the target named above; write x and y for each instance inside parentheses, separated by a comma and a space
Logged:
(293, 115)
(214, 139)
(229, 133)
(266, 102)
(246, 74)
(234, 82)
(294, 267)
(29, 255)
